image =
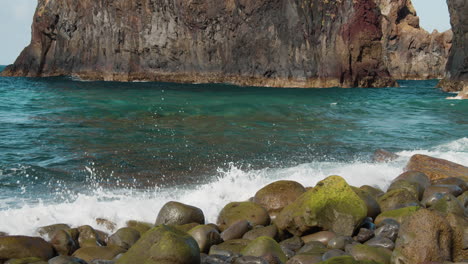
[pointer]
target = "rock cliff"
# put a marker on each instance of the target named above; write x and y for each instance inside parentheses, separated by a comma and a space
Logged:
(313, 43)
(457, 65)
(410, 51)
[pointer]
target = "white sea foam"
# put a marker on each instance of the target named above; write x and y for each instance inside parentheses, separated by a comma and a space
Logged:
(234, 184)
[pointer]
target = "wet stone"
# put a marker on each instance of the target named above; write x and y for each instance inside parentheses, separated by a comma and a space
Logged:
(363, 235)
(380, 241)
(294, 243)
(340, 242)
(333, 253)
(388, 228)
(250, 260)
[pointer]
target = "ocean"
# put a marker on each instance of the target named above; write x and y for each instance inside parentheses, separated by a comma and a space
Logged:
(72, 151)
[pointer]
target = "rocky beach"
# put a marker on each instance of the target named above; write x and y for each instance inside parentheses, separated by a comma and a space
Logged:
(421, 218)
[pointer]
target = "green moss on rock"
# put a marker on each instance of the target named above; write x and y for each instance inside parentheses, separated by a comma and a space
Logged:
(398, 215)
(347, 260)
(236, 211)
(331, 205)
(161, 245)
(262, 246)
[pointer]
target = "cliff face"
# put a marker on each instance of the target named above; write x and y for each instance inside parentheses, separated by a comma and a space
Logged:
(312, 43)
(457, 65)
(410, 51)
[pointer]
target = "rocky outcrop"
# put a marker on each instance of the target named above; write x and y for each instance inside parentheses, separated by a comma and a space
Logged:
(410, 51)
(457, 65)
(266, 42)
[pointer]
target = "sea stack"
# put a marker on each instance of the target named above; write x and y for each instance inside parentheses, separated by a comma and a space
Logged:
(457, 65)
(263, 43)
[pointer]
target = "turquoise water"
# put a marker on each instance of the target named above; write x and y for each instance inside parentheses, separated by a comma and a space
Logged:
(59, 134)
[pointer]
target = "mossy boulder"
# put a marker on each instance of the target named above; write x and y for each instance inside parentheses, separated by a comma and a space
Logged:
(331, 205)
(436, 168)
(125, 238)
(397, 198)
(18, 247)
(454, 190)
(64, 243)
(91, 253)
(417, 177)
(412, 187)
(453, 181)
(141, 227)
(365, 252)
(463, 198)
(398, 215)
(236, 230)
(185, 228)
(277, 195)
(268, 231)
(263, 246)
(163, 245)
(175, 213)
(206, 236)
(234, 246)
(236, 211)
(448, 204)
(424, 236)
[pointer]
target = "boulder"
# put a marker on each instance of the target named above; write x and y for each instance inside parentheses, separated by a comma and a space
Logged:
(412, 187)
(236, 230)
(431, 199)
(388, 228)
(294, 243)
(185, 228)
(262, 246)
(206, 236)
(49, 231)
(91, 253)
(380, 241)
(141, 227)
(334, 253)
(237, 211)
(175, 213)
(459, 225)
(125, 238)
(231, 247)
(323, 237)
(163, 245)
(250, 260)
(373, 207)
(313, 248)
(415, 242)
(64, 243)
(365, 252)
(453, 181)
(331, 205)
(374, 191)
(268, 231)
(340, 242)
(396, 199)
(398, 215)
(88, 237)
(416, 177)
(66, 260)
(305, 259)
(436, 168)
(277, 195)
(363, 235)
(17, 247)
(444, 189)
(346, 260)
(382, 155)
(448, 204)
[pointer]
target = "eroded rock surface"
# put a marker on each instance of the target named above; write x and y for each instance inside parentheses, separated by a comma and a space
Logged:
(266, 42)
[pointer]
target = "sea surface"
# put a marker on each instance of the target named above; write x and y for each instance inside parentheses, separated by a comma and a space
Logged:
(73, 151)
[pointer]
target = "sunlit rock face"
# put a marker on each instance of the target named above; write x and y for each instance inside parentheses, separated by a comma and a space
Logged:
(410, 51)
(457, 65)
